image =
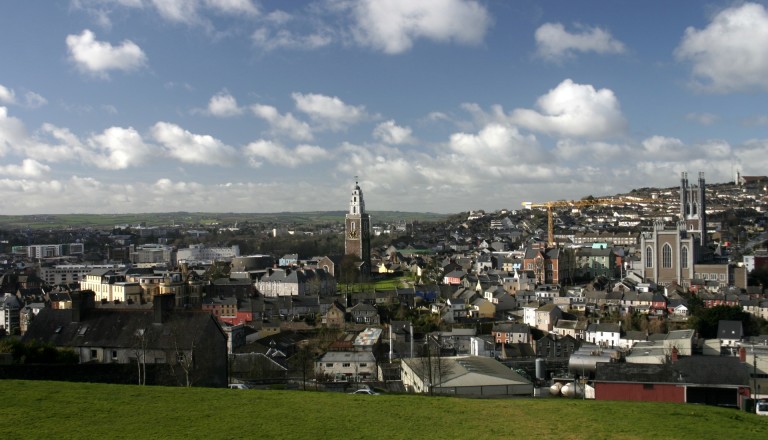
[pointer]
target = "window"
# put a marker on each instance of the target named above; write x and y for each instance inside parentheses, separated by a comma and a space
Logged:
(329, 365)
(345, 365)
(94, 354)
(363, 364)
(666, 256)
(713, 276)
(684, 257)
(114, 355)
(648, 257)
(722, 277)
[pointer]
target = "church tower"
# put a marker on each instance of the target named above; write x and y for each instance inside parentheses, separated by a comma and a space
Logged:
(357, 230)
(693, 208)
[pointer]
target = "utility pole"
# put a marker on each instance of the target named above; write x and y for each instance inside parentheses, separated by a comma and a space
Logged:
(754, 373)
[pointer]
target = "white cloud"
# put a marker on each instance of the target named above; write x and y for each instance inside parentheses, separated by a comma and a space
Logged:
(53, 144)
(12, 131)
(574, 110)
(234, 7)
(391, 133)
(602, 153)
(554, 43)
(664, 148)
(193, 148)
(702, 118)
(189, 12)
(181, 11)
(329, 111)
(757, 121)
(269, 39)
(277, 154)
(28, 168)
(285, 125)
(34, 100)
(752, 158)
(223, 105)
(7, 96)
(497, 146)
(392, 26)
(118, 148)
(97, 57)
(729, 54)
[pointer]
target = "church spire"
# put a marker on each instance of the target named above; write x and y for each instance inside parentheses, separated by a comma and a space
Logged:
(356, 203)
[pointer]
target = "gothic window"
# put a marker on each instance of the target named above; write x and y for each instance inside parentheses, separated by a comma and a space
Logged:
(648, 257)
(666, 255)
(684, 257)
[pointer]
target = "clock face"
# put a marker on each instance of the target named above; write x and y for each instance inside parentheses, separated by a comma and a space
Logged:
(352, 234)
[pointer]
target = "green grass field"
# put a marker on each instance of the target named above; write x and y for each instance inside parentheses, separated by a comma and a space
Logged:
(30, 409)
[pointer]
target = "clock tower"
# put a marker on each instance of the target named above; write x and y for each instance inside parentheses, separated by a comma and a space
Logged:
(357, 230)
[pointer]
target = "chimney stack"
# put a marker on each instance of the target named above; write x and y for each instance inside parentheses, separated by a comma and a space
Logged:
(163, 306)
(675, 354)
(742, 355)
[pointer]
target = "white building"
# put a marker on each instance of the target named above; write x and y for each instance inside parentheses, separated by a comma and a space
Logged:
(37, 251)
(201, 253)
(71, 273)
(604, 335)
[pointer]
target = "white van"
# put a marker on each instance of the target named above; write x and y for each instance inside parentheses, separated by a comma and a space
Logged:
(761, 407)
(238, 386)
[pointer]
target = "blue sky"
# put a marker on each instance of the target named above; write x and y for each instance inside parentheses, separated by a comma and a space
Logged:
(442, 106)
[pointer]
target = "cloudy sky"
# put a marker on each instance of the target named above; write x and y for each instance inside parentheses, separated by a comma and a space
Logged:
(118, 106)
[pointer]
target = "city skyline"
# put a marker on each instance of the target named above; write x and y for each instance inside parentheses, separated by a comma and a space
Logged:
(118, 106)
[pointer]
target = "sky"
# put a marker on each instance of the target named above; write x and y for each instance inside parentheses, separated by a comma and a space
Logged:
(134, 106)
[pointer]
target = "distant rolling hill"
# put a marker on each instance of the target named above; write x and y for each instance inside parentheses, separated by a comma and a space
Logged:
(192, 219)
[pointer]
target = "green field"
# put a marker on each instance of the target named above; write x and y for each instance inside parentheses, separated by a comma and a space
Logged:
(108, 221)
(64, 410)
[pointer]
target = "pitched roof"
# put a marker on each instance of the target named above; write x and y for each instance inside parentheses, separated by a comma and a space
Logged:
(704, 370)
(118, 328)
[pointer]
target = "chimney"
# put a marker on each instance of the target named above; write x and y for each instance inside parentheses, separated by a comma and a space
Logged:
(742, 355)
(674, 354)
(163, 307)
(81, 302)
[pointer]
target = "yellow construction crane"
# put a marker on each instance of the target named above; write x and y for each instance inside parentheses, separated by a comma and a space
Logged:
(581, 204)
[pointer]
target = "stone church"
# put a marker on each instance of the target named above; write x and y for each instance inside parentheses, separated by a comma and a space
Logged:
(680, 253)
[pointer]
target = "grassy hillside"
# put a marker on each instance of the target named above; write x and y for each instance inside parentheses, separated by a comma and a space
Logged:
(68, 410)
(108, 221)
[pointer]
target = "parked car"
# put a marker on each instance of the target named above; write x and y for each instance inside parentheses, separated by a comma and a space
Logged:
(365, 391)
(238, 386)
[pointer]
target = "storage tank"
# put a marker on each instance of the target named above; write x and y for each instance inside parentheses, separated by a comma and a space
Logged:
(585, 360)
(555, 388)
(541, 370)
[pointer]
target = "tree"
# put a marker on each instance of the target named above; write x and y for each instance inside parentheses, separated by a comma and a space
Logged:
(707, 319)
(139, 348)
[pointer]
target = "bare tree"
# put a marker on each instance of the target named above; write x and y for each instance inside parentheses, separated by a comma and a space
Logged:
(185, 359)
(142, 339)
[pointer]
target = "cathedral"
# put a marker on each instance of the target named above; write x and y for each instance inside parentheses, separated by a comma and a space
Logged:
(679, 254)
(357, 230)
